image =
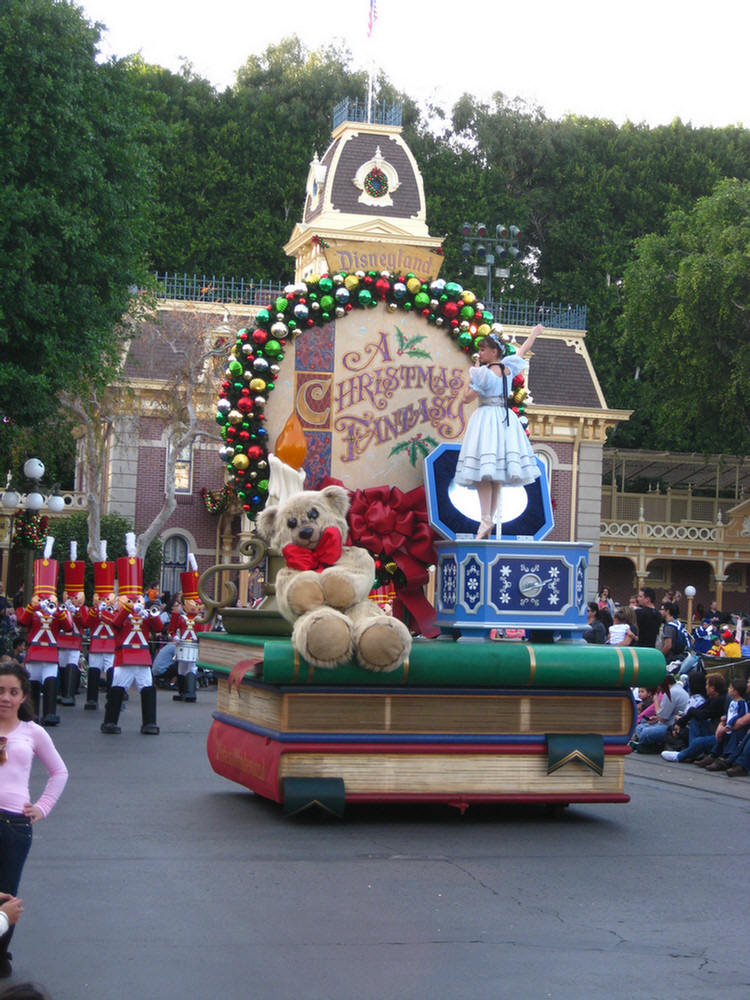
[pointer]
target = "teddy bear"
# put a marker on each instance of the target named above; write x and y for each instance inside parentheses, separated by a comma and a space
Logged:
(322, 590)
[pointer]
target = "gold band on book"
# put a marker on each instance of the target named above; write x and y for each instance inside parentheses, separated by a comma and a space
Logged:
(532, 663)
(621, 661)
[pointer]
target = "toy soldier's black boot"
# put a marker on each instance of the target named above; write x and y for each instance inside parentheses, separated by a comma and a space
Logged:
(190, 680)
(36, 698)
(67, 682)
(180, 696)
(49, 702)
(92, 689)
(148, 711)
(112, 711)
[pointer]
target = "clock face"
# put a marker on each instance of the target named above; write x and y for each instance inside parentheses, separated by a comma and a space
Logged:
(530, 585)
(376, 183)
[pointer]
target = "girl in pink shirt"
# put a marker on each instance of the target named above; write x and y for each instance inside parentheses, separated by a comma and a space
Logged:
(20, 741)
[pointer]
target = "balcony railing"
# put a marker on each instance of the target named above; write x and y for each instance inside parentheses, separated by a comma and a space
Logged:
(209, 288)
(674, 535)
(251, 292)
(556, 315)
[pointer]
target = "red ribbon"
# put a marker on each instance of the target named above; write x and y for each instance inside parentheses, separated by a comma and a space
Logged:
(326, 552)
(393, 526)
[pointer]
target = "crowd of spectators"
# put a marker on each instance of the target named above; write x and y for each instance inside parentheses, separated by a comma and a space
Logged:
(692, 717)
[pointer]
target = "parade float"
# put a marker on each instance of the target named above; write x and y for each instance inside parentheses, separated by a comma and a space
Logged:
(353, 377)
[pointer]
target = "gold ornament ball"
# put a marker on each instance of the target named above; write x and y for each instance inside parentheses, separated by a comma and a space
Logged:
(258, 384)
(414, 285)
(351, 281)
(469, 298)
(240, 461)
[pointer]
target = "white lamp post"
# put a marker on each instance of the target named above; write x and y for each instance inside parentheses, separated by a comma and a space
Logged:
(690, 594)
(33, 501)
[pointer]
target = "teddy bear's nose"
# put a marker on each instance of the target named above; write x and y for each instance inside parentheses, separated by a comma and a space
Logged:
(306, 532)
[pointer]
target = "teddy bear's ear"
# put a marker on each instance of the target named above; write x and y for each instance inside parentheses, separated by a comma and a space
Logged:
(265, 523)
(338, 498)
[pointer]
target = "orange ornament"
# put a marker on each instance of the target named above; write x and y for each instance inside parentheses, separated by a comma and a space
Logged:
(291, 446)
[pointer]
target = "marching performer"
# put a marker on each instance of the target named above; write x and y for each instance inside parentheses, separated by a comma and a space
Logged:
(183, 629)
(43, 619)
(100, 619)
(132, 623)
(69, 643)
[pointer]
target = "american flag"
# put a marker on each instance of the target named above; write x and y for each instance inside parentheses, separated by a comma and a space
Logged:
(372, 17)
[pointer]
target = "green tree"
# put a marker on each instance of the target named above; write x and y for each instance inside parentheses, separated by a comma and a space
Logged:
(114, 527)
(686, 326)
(75, 178)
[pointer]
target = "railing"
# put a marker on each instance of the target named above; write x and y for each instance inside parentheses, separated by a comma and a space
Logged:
(239, 291)
(352, 110)
(674, 534)
(249, 292)
(525, 313)
(668, 508)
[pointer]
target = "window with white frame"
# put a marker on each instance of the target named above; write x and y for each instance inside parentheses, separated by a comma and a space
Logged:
(183, 471)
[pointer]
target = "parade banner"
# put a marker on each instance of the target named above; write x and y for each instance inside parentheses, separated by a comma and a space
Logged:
(375, 392)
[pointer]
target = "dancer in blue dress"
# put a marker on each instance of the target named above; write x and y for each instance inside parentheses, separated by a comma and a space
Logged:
(495, 449)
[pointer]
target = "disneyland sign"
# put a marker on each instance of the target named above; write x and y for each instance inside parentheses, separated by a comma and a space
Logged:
(350, 257)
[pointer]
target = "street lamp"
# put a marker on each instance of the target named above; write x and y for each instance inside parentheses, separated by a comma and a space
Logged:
(32, 501)
(690, 594)
(477, 243)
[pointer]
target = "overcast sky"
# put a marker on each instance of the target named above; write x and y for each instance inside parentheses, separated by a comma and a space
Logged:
(646, 61)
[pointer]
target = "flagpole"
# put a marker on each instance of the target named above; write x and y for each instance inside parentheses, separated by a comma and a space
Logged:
(372, 18)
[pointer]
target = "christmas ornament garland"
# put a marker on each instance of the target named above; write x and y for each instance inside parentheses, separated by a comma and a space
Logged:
(29, 529)
(255, 359)
(216, 501)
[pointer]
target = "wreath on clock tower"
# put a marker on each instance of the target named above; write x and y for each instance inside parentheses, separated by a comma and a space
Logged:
(376, 183)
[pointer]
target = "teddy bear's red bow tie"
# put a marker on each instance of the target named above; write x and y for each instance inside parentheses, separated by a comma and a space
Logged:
(326, 552)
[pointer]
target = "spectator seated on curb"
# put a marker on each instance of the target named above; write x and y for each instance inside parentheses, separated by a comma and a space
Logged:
(732, 729)
(700, 721)
(673, 702)
(739, 766)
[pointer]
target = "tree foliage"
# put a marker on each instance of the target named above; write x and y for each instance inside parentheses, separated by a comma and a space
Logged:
(686, 326)
(75, 181)
(114, 527)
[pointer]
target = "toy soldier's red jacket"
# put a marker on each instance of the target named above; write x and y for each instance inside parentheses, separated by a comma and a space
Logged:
(101, 622)
(42, 632)
(131, 638)
(183, 627)
(72, 638)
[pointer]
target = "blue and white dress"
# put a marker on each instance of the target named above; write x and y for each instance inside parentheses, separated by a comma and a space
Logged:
(495, 445)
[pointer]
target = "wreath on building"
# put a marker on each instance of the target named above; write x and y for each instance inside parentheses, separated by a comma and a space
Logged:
(255, 359)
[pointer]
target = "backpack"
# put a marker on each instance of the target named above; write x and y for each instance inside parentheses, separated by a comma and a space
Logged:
(683, 641)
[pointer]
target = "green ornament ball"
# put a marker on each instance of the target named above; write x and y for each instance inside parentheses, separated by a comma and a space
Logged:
(281, 304)
(364, 297)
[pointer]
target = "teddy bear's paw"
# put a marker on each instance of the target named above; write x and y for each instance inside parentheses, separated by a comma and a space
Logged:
(382, 644)
(338, 589)
(323, 637)
(304, 592)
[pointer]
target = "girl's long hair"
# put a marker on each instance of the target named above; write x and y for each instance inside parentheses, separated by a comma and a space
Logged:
(12, 668)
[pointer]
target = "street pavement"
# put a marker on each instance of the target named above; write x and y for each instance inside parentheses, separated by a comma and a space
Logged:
(155, 877)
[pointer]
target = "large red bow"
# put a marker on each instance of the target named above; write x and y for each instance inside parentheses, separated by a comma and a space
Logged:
(326, 552)
(392, 525)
